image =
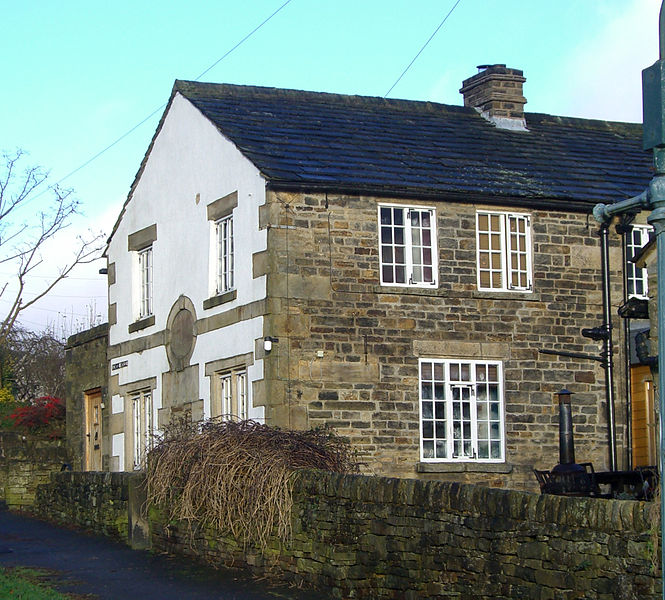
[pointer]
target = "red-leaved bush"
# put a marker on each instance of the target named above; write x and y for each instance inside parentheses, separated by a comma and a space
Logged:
(40, 413)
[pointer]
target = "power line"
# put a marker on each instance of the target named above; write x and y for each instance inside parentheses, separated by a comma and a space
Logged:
(242, 40)
(431, 37)
(158, 109)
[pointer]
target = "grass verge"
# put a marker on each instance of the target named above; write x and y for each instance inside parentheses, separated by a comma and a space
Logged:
(25, 584)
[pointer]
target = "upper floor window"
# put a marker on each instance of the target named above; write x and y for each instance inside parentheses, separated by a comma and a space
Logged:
(224, 238)
(461, 410)
(504, 251)
(140, 244)
(636, 238)
(145, 274)
(408, 246)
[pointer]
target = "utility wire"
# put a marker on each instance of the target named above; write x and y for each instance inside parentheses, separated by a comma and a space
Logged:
(158, 109)
(243, 40)
(450, 12)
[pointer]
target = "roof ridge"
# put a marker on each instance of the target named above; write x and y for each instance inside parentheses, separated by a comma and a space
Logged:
(231, 90)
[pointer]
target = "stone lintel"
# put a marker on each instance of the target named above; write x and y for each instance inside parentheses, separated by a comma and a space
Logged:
(222, 207)
(142, 238)
(456, 349)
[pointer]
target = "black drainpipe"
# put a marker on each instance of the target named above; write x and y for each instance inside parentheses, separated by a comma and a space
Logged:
(607, 343)
(624, 229)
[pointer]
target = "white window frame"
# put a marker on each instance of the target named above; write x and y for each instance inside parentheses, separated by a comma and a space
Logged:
(441, 383)
(636, 238)
(145, 259)
(415, 268)
(142, 426)
(224, 244)
(234, 396)
(504, 260)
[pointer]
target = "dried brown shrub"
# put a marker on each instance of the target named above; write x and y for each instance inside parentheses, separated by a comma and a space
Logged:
(235, 476)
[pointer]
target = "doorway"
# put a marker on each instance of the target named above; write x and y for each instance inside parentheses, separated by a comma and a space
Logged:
(93, 430)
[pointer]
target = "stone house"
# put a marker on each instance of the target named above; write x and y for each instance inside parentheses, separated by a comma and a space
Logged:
(389, 268)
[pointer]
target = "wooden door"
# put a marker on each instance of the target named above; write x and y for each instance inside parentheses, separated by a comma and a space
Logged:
(93, 430)
(644, 426)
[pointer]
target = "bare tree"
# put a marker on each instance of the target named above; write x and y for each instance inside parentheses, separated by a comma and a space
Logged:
(36, 361)
(22, 241)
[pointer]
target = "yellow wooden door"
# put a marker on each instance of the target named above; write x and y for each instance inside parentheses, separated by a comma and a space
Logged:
(644, 425)
(93, 430)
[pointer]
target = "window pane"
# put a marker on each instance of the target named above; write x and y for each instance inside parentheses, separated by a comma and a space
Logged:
(483, 450)
(441, 449)
(428, 429)
(426, 370)
(426, 391)
(428, 449)
(440, 410)
(427, 410)
(496, 450)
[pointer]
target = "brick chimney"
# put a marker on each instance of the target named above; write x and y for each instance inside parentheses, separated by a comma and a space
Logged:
(496, 93)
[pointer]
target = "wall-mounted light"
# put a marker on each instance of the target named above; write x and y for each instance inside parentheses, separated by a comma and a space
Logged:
(268, 342)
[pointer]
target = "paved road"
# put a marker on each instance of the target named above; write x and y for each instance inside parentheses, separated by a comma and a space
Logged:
(108, 570)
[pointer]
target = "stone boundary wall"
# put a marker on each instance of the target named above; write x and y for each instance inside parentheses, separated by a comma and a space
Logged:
(25, 462)
(93, 501)
(369, 537)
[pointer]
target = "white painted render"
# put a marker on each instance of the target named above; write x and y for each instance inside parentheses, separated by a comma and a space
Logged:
(190, 165)
(117, 404)
(118, 452)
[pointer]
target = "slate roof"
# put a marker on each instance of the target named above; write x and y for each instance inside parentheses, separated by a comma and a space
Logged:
(353, 144)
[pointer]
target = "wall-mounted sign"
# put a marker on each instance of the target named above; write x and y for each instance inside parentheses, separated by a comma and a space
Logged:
(119, 365)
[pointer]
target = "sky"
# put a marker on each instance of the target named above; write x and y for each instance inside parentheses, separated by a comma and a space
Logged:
(77, 75)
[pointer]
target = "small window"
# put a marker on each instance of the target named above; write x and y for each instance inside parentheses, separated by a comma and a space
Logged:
(637, 278)
(225, 270)
(143, 429)
(145, 273)
(233, 395)
(408, 246)
(461, 411)
(504, 251)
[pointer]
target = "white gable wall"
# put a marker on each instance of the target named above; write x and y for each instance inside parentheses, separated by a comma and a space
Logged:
(190, 165)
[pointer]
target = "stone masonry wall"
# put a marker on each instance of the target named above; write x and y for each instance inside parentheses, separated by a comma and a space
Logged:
(27, 461)
(86, 369)
(372, 537)
(348, 347)
(90, 500)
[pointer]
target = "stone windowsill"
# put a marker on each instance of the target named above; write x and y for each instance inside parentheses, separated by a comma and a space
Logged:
(448, 293)
(507, 295)
(142, 324)
(408, 289)
(220, 299)
(463, 467)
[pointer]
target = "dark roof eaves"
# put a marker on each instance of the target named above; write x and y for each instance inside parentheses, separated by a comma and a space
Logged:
(395, 192)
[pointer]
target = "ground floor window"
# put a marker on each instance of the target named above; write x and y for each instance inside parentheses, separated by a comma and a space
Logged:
(233, 394)
(461, 410)
(143, 428)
